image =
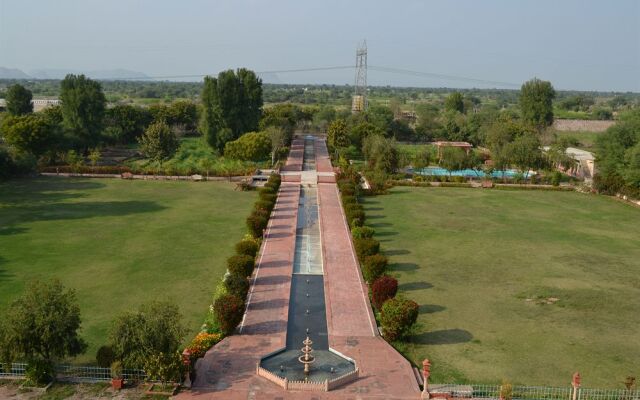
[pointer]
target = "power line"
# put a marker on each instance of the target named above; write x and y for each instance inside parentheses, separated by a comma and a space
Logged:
(440, 76)
(282, 71)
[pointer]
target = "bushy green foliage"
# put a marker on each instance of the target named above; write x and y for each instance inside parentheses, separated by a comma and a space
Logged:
(236, 285)
(397, 318)
(252, 146)
(42, 324)
(366, 247)
(374, 266)
(231, 105)
(362, 232)
(164, 367)
(381, 153)
(19, 100)
(266, 205)
(155, 328)
(228, 311)
(105, 356)
(125, 123)
(257, 223)
(355, 218)
(83, 107)
(39, 372)
(241, 265)
(247, 247)
(383, 289)
(31, 133)
(159, 143)
(337, 135)
(348, 200)
(536, 102)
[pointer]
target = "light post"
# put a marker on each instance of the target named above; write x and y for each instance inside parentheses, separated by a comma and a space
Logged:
(426, 372)
(186, 360)
(575, 382)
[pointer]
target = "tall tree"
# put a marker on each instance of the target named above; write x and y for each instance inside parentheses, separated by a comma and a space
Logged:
(381, 153)
(19, 100)
(454, 102)
(536, 103)
(525, 153)
(210, 120)
(452, 159)
(83, 107)
(43, 324)
(232, 105)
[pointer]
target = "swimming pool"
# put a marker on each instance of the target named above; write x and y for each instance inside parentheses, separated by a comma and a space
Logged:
(467, 173)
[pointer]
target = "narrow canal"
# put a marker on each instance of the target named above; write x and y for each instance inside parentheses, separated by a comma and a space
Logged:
(307, 311)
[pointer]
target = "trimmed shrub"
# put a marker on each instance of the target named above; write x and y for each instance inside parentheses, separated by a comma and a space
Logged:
(352, 208)
(355, 217)
(247, 247)
(383, 289)
(252, 146)
(257, 223)
(356, 222)
(366, 247)
(228, 310)
(241, 265)
(346, 200)
(236, 285)
(397, 318)
(105, 356)
(266, 189)
(348, 190)
(270, 197)
(264, 205)
(374, 267)
(362, 232)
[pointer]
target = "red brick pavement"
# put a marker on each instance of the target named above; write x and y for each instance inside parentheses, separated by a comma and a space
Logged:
(296, 155)
(228, 369)
(323, 162)
(231, 364)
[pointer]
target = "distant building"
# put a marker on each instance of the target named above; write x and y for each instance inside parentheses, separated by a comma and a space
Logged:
(585, 163)
(38, 104)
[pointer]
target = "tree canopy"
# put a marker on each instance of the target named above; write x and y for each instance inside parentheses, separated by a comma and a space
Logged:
(232, 105)
(159, 143)
(19, 100)
(454, 102)
(83, 107)
(536, 102)
(32, 133)
(42, 324)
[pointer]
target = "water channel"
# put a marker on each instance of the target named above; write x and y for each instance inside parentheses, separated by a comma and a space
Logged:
(307, 311)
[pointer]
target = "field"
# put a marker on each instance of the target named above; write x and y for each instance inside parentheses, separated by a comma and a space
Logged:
(119, 243)
(518, 285)
(587, 139)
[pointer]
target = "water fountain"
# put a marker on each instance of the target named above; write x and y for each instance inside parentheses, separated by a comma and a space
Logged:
(306, 358)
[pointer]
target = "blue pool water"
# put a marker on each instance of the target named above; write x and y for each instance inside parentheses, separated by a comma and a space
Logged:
(468, 173)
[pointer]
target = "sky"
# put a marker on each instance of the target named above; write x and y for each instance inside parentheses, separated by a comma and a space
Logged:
(575, 44)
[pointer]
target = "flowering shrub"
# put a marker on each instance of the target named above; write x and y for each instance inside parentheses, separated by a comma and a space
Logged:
(228, 311)
(397, 318)
(203, 342)
(383, 289)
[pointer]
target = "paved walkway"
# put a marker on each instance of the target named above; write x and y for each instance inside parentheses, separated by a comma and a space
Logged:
(228, 371)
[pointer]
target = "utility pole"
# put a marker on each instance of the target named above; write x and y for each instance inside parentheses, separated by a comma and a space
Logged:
(359, 101)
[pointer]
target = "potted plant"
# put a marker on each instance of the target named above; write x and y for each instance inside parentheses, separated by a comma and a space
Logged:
(117, 379)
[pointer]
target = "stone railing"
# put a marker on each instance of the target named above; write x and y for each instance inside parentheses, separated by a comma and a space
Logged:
(308, 386)
(349, 377)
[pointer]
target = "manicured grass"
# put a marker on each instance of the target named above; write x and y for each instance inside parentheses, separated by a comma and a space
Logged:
(483, 264)
(119, 243)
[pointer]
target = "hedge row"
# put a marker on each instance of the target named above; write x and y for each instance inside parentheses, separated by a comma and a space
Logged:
(259, 218)
(86, 169)
(229, 300)
(396, 315)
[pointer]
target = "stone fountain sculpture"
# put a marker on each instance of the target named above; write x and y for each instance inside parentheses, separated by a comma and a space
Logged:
(306, 358)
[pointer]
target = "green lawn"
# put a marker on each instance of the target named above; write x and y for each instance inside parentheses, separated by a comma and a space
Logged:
(119, 243)
(484, 264)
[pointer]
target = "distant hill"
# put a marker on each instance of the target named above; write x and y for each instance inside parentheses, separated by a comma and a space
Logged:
(106, 74)
(56, 73)
(12, 73)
